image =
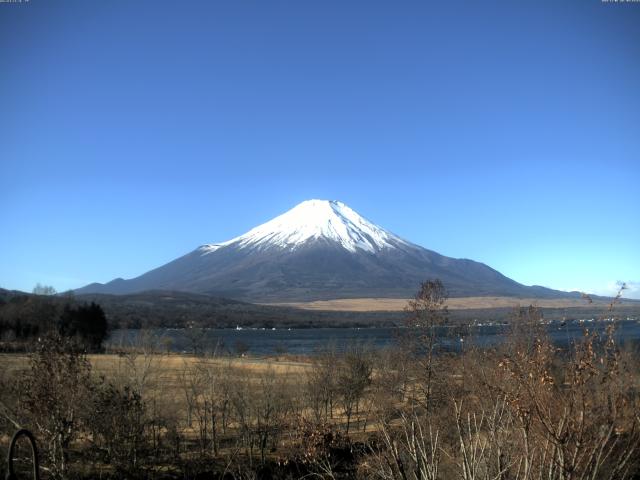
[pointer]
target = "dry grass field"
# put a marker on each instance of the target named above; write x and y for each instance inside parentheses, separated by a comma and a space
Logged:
(170, 364)
(163, 375)
(463, 303)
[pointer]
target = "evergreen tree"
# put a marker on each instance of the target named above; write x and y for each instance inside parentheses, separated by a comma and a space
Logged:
(87, 323)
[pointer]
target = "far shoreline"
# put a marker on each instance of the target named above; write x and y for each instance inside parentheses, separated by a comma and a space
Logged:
(377, 304)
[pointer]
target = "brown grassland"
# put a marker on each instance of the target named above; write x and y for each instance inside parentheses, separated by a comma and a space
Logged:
(462, 303)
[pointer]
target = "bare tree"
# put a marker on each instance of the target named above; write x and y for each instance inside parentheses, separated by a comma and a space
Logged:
(425, 313)
(574, 411)
(353, 376)
(40, 289)
(320, 385)
(139, 361)
(271, 408)
(191, 386)
(195, 335)
(53, 392)
(117, 423)
(410, 450)
(210, 401)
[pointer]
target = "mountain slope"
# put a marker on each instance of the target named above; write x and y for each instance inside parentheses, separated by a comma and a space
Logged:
(318, 250)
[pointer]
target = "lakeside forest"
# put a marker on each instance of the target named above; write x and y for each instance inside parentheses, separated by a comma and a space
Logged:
(524, 409)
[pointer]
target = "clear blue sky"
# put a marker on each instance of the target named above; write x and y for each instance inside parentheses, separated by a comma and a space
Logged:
(133, 131)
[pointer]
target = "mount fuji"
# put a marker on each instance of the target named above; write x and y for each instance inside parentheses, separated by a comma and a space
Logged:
(319, 250)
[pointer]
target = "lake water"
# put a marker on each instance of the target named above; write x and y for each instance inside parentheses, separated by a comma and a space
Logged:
(308, 341)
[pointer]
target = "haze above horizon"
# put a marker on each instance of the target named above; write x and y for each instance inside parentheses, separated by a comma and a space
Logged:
(504, 132)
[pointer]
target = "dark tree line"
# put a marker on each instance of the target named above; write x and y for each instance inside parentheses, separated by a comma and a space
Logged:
(86, 322)
(24, 318)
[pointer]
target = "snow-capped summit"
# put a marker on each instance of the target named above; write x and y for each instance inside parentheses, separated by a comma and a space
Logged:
(312, 220)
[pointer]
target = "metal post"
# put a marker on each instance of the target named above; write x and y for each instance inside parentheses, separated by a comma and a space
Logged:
(34, 453)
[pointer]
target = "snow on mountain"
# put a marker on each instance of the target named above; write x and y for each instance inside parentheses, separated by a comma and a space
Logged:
(313, 220)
